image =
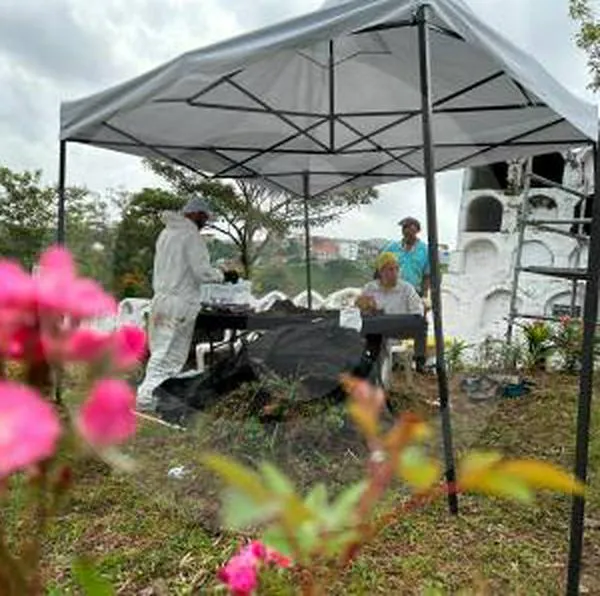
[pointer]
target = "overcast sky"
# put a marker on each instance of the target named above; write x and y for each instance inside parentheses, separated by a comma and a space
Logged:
(55, 50)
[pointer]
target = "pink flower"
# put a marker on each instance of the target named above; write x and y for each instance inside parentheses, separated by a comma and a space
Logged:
(54, 290)
(57, 261)
(273, 557)
(107, 417)
(17, 290)
(85, 345)
(256, 549)
(25, 343)
(240, 574)
(125, 347)
(129, 347)
(59, 291)
(86, 299)
(267, 555)
(29, 428)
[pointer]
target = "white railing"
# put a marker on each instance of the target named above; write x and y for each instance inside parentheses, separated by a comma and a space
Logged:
(132, 311)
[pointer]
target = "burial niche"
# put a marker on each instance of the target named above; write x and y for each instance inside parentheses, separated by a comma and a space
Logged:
(484, 215)
(550, 166)
(481, 257)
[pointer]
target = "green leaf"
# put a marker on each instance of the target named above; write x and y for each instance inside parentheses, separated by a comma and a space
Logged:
(276, 480)
(481, 472)
(89, 580)
(294, 511)
(240, 511)
(307, 536)
(275, 538)
(340, 513)
(542, 475)
(237, 476)
(503, 485)
(316, 500)
(418, 470)
(474, 464)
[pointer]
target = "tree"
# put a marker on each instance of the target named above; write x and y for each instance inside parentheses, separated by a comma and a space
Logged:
(588, 36)
(135, 240)
(26, 215)
(90, 234)
(28, 222)
(252, 213)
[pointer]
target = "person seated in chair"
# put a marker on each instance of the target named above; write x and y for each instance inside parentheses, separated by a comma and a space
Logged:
(387, 293)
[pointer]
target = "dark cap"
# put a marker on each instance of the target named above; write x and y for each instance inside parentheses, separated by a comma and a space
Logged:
(408, 221)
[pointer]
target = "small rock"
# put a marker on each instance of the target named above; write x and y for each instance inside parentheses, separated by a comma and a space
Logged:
(177, 472)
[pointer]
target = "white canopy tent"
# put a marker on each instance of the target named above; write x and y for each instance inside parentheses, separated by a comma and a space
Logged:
(337, 93)
(358, 93)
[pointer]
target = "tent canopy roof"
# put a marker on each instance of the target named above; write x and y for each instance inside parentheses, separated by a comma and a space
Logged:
(337, 93)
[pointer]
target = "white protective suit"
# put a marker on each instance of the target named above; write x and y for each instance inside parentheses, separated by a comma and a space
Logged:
(181, 266)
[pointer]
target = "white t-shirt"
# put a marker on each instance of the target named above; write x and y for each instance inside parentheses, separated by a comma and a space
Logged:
(399, 300)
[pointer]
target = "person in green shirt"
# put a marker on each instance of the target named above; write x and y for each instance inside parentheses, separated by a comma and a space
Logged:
(413, 259)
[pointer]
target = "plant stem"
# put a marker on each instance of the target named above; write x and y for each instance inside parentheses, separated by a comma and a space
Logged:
(10, 566)
(41, 518)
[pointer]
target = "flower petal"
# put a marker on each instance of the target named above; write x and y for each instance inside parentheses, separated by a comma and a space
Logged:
(107, 417)
(29, 428)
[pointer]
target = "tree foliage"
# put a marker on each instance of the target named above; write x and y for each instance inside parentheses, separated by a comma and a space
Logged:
(252, 213)
(25, 215)
(588, 36)
(28, 222)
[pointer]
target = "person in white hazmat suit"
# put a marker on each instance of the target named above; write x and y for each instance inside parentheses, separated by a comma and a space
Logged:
(181, 266)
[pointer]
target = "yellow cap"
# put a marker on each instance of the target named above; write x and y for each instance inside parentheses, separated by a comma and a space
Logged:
(383, 259)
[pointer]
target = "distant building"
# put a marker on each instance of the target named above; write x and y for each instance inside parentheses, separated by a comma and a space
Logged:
(348, 249)
(324, 249)
(369, 249)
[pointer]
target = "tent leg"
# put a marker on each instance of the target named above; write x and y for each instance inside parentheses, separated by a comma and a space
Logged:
(432, 233)
(60, 237)
(62, 171)
(306, 186)
(590, 314)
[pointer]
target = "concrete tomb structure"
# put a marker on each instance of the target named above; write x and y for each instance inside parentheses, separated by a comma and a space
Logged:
(477, 288)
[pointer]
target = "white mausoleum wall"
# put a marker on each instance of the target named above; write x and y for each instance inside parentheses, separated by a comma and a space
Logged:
(476, 289)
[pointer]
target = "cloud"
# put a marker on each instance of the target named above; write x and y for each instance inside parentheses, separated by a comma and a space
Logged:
(399, 200)
(49, 40)
(56, 50)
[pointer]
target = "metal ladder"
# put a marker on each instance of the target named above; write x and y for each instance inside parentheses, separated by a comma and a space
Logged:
(573, 274)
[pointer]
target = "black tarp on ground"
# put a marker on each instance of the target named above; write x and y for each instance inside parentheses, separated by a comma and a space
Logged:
(312, 356)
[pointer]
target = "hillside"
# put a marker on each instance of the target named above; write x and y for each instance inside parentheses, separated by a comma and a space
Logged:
(290, 278)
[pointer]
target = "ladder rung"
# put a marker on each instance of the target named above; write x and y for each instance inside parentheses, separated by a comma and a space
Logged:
(520, 315)
(553, 184)
(562, 272)
(538, 222)
(547, 318)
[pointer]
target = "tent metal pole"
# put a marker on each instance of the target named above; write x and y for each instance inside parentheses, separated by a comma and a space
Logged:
(306, 189)
(590, 314)
(434, 261)
(62, 171)
(61, 238)
(331, 97)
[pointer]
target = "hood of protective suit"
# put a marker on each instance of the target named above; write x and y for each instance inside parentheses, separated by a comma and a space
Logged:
(174, 219)
(181, 261)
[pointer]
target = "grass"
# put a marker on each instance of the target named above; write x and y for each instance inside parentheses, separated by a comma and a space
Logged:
(151, 534)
